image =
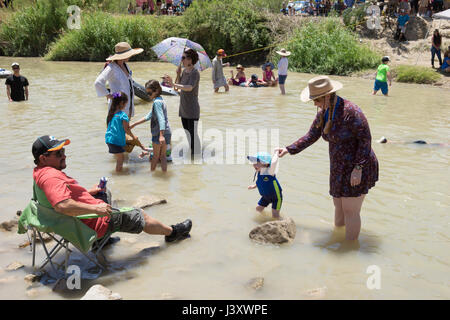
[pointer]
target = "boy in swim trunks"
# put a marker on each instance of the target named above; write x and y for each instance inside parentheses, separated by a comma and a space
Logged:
(383, 74)
(268, 186)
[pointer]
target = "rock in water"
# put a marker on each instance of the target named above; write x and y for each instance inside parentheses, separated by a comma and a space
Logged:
(275, 232)
(148, 201)
(9, 225)
(99, 292)
(255, 283)
(14, 266)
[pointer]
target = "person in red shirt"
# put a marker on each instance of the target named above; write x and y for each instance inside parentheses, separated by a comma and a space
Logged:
(66, 196)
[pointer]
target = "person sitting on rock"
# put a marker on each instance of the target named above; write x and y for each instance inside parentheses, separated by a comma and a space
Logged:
(402, 21)
(269, 188)
(67, 197)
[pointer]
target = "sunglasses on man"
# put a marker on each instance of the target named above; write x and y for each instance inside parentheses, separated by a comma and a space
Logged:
(58, 154)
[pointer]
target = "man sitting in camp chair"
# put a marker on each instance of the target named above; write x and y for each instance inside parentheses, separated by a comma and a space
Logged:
(67, 197)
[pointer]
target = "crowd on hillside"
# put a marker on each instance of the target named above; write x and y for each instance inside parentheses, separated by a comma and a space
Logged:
(159, 7)
(323, 7)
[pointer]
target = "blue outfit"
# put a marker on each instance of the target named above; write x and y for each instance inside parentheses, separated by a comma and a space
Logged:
(159, 120)
(115, 134)
(446, 63)
(270, 190)
(402, 20)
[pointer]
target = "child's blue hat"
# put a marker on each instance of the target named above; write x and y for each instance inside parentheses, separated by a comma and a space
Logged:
(262, 157)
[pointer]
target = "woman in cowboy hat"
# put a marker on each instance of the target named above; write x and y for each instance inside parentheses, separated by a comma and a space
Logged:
(353, 164)
(118, 75)
(283, 68)
(240, 76)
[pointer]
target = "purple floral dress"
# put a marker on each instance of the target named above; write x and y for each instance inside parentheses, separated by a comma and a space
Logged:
(349, 144)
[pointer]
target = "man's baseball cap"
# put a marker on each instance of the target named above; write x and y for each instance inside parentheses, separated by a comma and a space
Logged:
(15, 64)
(221, 52)
(262, 157)
(47, 143)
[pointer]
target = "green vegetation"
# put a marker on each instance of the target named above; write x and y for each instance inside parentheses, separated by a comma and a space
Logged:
(415, 74)
(233, 25)
(100, 32)
(328, 48)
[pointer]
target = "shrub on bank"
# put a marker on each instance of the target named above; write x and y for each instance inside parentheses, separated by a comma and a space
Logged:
(415, 74)
(233, 25)
(29, 32)
(100, 32)
(328, 47)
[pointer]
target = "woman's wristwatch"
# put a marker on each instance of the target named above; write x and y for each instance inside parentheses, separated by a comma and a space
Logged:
(358, 167)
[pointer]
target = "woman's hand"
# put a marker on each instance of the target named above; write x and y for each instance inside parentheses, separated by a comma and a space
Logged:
(281, 152)
(355, 177)
(162, 140)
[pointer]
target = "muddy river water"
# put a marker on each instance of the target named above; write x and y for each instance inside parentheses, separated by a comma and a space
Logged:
(405, 217)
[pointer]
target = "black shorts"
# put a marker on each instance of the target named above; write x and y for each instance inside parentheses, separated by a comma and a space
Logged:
(113, 148)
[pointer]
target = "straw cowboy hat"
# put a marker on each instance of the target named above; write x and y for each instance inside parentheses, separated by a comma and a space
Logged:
(124, 51)
(283, 52)
(240, 67)
(318, 87)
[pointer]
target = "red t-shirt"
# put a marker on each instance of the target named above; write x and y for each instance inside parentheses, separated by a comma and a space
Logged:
(58, 187)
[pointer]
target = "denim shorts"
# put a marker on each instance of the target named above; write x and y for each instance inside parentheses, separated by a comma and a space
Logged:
(167, 136)
(282, 78)
(113, 148)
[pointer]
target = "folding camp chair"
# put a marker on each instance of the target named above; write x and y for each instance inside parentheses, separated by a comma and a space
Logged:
(40, 218)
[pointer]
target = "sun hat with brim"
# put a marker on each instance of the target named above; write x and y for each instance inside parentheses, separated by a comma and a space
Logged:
(47, 143)
(15, 64)
(262, 157)
(283, 52)
(124, 51)
(318, 87)
(268, 64)
(239, 66)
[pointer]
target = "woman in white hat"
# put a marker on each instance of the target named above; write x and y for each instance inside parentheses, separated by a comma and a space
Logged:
(353, 164)
(283, 68)
(118, 75)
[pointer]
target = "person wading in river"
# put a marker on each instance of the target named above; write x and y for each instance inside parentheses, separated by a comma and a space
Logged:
(118, 75)
(353, 164)
(16, 85)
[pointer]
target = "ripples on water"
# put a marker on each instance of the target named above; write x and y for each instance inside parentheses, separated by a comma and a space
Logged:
(405, 218)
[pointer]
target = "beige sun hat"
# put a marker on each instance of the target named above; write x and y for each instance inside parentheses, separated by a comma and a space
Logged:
(124, 51)
(283, 52)
(318, 87)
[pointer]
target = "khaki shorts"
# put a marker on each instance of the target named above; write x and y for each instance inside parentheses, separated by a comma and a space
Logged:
(129, 220)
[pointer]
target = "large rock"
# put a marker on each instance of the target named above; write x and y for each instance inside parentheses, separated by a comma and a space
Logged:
(417, 28)
(276, 232)
(148, 201)
(99, 292)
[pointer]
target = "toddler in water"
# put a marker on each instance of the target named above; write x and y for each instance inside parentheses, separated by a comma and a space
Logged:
(118, 124)
(268, 186)
(159, 126)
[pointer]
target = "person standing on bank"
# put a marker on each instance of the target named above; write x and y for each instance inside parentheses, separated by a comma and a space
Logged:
(187, 82)
(118, 75)
(218, 78)
(353, 164)
(16, 85)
